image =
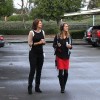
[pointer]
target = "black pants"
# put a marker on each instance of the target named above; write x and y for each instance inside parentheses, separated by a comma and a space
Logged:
(36, 63)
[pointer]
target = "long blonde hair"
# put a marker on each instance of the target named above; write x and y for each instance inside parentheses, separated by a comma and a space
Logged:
(67, 34)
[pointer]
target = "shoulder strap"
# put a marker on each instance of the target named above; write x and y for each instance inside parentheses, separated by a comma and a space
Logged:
(70, 42)
(58, 35)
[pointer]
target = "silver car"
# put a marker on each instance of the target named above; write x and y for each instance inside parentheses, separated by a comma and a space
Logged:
(88, 35)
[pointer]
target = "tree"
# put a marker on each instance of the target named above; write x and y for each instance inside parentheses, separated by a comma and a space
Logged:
(30, 4)
(6, 7)
(55, 9)
(94, 4)
(26, 6)
(25, 9)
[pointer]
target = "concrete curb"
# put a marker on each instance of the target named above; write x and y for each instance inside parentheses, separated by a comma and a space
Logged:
(74, 43)
(23, 39)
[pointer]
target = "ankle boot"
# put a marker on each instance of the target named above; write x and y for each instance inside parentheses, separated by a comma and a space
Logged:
(29, 89)
(61, 82)
(37, 89)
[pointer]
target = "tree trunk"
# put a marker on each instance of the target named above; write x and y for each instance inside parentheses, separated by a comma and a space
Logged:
(24, 22)
(5, 18)
(22, 13)
(59, 21)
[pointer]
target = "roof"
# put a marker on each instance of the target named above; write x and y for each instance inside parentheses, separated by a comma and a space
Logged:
(87, 12)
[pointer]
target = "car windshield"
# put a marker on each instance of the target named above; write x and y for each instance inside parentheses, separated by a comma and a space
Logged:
(89, 29)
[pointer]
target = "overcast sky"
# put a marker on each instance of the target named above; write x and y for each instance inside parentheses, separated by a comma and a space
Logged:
(16, 2)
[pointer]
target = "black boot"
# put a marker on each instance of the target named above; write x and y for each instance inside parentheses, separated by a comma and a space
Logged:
(61, 81)
(65, 79)
(29, 89)
(37, 89)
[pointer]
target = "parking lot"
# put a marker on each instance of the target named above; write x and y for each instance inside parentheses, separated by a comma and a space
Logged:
(83, 82)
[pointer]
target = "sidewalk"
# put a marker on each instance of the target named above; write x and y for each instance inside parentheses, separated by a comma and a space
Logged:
(23, 39)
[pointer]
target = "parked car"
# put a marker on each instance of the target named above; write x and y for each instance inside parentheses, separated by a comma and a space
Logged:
(87, 35)
(95, 37)
(92, 35)
(2, 43)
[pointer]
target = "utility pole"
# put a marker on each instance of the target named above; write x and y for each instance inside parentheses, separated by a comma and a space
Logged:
(93, 20)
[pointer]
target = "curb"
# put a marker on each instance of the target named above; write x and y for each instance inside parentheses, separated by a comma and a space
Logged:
(46, 42)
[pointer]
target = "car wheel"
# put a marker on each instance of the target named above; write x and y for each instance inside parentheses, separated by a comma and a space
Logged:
(94, 44)
(98, 44)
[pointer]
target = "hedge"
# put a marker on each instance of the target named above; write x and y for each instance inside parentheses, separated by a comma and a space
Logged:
(19, 18)
(76, 34)
(14, 32)
(50, 27)
(25, 32)
(15, 25)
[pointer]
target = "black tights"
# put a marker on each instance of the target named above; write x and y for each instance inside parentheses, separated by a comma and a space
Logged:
(63, 73)
(63, 76)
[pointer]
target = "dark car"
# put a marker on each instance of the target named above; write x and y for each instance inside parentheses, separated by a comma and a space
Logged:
(95, 37)
(88, 35)
(2, 43)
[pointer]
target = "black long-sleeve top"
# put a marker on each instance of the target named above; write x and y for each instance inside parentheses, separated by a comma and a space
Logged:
(62, 51)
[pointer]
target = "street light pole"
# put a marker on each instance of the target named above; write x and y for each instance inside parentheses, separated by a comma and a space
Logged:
(93, 20)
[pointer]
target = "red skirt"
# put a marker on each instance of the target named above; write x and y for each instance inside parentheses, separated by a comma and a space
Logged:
(62, 63)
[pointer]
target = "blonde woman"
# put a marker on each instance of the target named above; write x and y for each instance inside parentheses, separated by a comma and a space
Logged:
(62, 45)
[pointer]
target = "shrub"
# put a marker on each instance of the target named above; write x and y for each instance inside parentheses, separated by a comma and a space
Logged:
(15, 25)
(19, 17)
(14, 32)
(77, 34)
(50, 27)
(78, 27)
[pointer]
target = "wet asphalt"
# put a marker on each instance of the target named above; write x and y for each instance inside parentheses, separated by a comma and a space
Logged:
(83, 82)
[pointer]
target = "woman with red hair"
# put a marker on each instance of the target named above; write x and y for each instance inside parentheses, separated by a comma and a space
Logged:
(36, 40)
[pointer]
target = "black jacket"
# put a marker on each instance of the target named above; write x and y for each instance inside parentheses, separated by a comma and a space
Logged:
(62, 51)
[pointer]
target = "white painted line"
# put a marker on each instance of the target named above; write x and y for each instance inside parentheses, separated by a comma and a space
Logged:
(4, 78)
(2, 87)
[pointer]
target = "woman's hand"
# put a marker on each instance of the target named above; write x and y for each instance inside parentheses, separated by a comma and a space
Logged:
(42, 41)
(69, 46)
(58, 44)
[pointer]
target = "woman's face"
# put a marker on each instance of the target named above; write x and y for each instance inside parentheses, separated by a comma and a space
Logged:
(39, 25)
(65, 27)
